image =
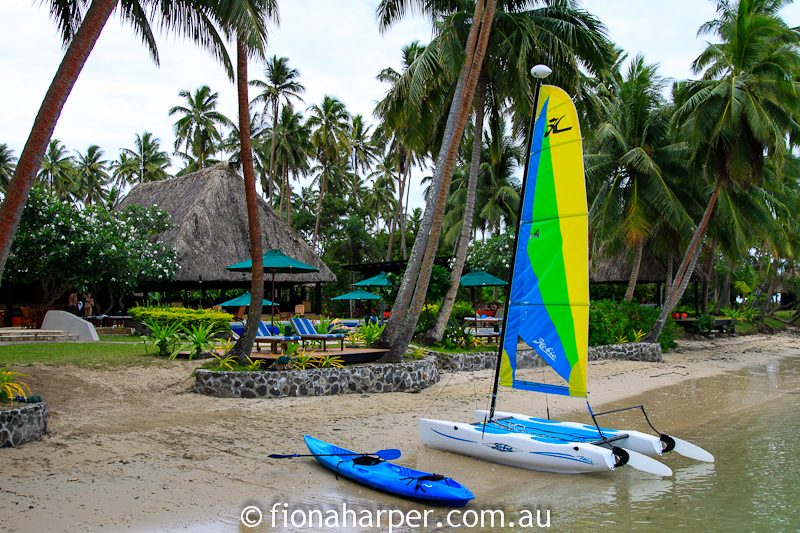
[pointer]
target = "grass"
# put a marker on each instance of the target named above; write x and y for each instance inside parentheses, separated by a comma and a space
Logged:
(121, 338)
(85, 354)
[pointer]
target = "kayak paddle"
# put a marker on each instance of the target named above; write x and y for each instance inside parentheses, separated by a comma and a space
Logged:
(387, 455)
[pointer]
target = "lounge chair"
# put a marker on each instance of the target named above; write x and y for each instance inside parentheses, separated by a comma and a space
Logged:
(305, 329)
(267, 334)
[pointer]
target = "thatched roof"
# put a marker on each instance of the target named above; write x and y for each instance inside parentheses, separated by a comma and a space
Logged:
(209, 226)
(616, 268)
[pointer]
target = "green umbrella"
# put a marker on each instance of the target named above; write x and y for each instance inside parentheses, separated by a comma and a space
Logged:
(480, 278)
(242, 301)
(275, 261)
(381, 280)
(357, 295)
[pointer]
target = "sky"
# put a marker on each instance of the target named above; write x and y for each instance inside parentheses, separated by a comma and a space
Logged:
(335, 45)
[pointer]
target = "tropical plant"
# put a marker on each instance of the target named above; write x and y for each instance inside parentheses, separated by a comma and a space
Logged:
(11, 386)
(323, 325)
(198, 339)
(197, 127)
(163, 338)
(705, 322)
(329, 361)
(7, 165)
(251, 365)
(353, 338)
(57, 173)
(92, 176)
(371, 332)
(303, 361)
(224, 362)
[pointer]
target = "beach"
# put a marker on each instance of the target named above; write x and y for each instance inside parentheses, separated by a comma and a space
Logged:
(134, 448)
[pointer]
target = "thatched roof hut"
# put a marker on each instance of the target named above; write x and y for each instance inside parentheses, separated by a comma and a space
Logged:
(605, 267)
(209, 228)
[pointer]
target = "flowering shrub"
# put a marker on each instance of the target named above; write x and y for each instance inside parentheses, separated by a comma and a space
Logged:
(63, 246)
(493, 254)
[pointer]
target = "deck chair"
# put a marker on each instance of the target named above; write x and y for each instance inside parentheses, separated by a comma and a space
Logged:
(266, 333)
(305, 329)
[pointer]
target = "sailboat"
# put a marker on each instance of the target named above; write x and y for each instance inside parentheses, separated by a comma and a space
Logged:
(548, 309)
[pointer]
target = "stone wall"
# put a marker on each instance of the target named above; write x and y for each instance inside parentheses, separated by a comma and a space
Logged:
(23, 424)
(630, 351)
(456, 362)
(409, 376)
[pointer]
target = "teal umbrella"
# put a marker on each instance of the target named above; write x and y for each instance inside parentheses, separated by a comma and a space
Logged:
(242, 301)
(480, 278)
(275, 261)
(381, 280)
(357, 295)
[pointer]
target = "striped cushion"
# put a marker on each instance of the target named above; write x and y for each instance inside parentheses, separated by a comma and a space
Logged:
(303, 326)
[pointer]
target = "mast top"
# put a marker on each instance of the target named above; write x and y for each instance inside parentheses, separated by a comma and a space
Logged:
(540, 72)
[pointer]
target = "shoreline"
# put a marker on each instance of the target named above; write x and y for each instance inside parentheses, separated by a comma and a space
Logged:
(131, 448)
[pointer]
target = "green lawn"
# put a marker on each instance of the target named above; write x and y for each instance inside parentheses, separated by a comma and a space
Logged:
(120, 338)
(103, 354)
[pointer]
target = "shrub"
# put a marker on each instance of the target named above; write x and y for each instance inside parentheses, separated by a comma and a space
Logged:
(705, 323)
(198, 339)
(323, 325)
(185, 318)
(371, 332)
(11, 386)
(163, 338)
(614, 322)
(427, 318)
(462, 310)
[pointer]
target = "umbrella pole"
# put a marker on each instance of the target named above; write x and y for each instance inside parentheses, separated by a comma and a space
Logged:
(272, 301)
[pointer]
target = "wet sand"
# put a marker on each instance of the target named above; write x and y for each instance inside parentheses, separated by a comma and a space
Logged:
(133, 449)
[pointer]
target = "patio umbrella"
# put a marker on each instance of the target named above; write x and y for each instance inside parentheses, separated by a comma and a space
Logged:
(477, 277)
(242, 301)
(357, 295)
(275, 262)
(381, 280)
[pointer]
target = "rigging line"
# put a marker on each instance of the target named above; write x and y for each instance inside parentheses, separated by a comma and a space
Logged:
(438, 394)
(546, 396)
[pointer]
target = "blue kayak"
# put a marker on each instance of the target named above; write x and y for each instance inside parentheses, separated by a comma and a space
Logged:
(389, 477)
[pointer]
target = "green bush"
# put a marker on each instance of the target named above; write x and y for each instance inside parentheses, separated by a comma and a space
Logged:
(462, 310)
(427, 318)
(609, 322)
(184, 317)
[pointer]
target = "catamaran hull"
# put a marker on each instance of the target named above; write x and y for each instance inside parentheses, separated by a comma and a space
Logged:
(514, 449)
(635, 440)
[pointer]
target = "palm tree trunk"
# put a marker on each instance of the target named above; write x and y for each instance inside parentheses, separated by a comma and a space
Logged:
(244, 344)
(271, 178)
(398, 206)
(686, 268)
(16, 194)
(637, 263)
(404, 218)
(437, 333)
(322, 183)
(724, 299)
(411, 296)
(708, 271)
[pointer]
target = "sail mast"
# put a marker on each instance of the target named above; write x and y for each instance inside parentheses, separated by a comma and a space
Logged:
(539, 73)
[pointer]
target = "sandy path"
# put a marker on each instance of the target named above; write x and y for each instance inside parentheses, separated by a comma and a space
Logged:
(131, 447)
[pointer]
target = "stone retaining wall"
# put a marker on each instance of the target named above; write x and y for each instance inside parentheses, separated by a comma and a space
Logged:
(409, 376)
(23, 424)
(635, 351)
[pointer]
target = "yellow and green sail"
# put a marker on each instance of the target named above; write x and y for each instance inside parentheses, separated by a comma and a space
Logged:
(549, 300)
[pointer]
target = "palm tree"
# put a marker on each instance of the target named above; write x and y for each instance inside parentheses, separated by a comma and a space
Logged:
(413, 289)
(190, 18)
(146, 162)
(382, 198)
(7, 164)
(330, 124)
(630, 155)
(197, 127)
(741, 109)
(363, 152)
(57, 173)
(293, 150)
(281, 84)
(92, 174)
(246, 21)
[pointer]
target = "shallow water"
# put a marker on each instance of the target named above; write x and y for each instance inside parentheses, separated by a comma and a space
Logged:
(748, 419)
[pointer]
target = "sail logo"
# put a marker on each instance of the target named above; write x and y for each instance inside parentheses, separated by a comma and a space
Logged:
(545, 349)
(553, 126)
(500, 447)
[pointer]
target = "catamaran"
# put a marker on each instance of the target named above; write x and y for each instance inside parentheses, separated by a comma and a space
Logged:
(548, 309)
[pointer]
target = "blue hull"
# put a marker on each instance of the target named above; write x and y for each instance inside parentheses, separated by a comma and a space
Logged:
(390, 477)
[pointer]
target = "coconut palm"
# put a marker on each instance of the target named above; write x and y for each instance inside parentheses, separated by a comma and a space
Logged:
(92, 175)
(80, 28)
(381, 199)
(330, 125)
(145, 162)
(630, 156)
(293, 150)
(741, 109)
(197, 127)
(363, 152)
(57, 173)
(281, 84)
(7, 164)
